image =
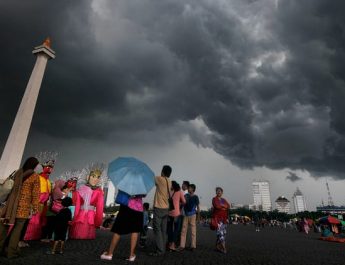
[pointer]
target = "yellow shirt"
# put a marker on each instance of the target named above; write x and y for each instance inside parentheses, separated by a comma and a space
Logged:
(45, 185)
(161, 194)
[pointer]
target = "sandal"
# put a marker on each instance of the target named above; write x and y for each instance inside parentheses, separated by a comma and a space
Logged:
(179, 249)
(131, 258)
(105, 256)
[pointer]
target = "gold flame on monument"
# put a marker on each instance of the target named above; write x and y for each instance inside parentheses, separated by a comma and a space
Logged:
(47, 42)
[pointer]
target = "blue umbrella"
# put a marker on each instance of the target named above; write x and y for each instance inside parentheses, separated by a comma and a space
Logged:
(131, 175)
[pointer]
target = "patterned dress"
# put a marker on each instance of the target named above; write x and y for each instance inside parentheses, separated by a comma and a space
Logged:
(220, 213)
(38, 220)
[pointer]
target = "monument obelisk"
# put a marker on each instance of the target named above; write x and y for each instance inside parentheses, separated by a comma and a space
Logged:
(13, 152)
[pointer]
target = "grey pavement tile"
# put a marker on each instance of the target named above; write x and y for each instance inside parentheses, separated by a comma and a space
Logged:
(271, 246)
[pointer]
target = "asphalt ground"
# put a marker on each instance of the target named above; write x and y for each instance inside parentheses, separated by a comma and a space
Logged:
(271, 246)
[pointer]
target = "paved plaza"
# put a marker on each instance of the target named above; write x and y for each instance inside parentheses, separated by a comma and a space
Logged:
(271, 246)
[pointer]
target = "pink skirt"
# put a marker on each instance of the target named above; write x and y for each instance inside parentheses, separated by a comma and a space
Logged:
(83, 226)
(82, 231)
(34, 230)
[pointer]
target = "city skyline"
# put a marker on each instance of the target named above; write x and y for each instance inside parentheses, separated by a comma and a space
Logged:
(289, 197)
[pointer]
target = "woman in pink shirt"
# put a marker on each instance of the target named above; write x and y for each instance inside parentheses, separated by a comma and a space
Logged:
(178, 198)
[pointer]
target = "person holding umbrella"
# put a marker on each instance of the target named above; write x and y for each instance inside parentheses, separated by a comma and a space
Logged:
(134, 179)
(128, 221)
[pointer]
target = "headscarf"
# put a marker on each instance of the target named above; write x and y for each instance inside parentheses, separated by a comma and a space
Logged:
(57, 192)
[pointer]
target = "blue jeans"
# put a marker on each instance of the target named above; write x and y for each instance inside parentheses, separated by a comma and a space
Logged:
(173, 229)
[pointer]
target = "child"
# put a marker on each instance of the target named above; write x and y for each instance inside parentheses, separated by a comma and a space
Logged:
(146, 220)
(63, 218)
(65, 190)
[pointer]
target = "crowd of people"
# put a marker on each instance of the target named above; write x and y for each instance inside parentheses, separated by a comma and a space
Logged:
(36, 209)
(176, 211)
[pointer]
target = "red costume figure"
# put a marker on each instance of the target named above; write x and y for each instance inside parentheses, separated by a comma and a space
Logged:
(72, 185)
(38, 220)
(89, 208)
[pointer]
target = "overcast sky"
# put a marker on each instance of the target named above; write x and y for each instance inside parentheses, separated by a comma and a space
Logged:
(225, 91)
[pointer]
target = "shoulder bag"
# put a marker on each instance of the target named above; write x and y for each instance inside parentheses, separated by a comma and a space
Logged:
(170, 199)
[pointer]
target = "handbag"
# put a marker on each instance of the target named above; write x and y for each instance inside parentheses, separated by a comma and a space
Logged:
(6, 188)
(170, 199)
(122, 198)
(136, 204)
(213, 223)
(56, 206)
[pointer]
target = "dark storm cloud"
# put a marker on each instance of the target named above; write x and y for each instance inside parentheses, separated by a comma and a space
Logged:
(260, 82)
(293, 177)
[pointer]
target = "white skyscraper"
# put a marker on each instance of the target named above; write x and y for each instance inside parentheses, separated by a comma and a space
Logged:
(282, 205)
(110, 199)
(262, 196)
(299, 201)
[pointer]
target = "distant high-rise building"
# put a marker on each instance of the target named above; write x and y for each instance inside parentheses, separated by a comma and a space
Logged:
(109, 194)
(262, 197)
(110, 200)
(282, 204)
(299, 201)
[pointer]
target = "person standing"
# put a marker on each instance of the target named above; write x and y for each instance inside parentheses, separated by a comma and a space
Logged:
(191, 210)
(173, 221)
(146, 221)
(63, 220)
(185, 187)
(221, 214)
(256, 220)
(129, 220)
(161, 210)
(56, 197)
(305, 225)
(21, 203)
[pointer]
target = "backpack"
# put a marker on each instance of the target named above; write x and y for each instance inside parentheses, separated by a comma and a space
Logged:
(6, 188)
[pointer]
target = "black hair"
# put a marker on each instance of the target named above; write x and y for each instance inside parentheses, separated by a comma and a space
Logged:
(192, 186)
(186, 182)
(30, 163)
(64, 187)
(66, 202)
(146, 205)
(166, 171)
(175, 186)
(219, 188)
